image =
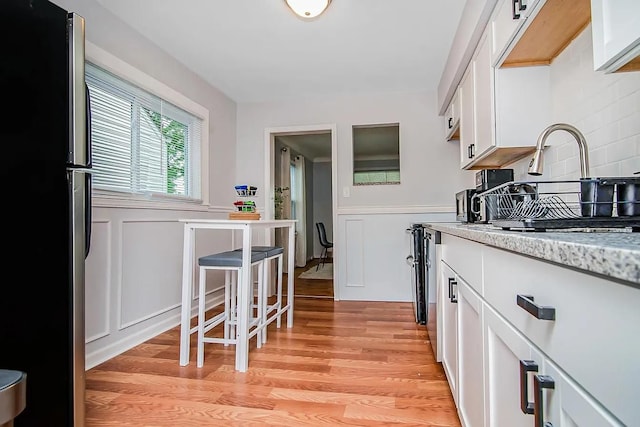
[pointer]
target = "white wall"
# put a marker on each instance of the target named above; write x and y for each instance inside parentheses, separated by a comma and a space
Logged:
(429, 170)
(134, 269)
(604, 107)
(430, 176)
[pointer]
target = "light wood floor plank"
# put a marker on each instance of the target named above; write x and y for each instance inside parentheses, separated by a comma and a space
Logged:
(345, 363)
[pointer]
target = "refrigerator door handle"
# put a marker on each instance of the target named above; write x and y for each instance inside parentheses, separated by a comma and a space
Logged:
(87, 215)
(78, 154)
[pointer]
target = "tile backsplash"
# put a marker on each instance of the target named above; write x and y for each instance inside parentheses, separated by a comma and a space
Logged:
(604, 107)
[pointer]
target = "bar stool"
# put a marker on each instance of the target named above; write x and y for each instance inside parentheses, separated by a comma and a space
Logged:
(230, 262)
(13, 395)
(272, 253)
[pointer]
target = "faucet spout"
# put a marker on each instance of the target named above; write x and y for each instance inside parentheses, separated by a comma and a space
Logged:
(536, 165)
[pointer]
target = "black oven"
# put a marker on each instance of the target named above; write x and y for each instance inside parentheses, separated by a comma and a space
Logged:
(417, 261)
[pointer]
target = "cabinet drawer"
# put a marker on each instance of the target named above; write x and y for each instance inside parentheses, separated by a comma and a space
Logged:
(506, 21)
(465, 258)
(594, 336)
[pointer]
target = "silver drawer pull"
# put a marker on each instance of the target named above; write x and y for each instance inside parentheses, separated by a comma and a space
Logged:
(537, 311)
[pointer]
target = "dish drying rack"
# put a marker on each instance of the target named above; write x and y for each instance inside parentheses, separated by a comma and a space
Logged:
(541, 205)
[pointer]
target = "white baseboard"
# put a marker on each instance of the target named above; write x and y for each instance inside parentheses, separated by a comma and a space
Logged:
(129, 341)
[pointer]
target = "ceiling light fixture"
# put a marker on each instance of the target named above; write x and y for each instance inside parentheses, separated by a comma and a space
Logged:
(308, 8)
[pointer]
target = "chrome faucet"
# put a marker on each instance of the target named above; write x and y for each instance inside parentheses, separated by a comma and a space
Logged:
(535, 167)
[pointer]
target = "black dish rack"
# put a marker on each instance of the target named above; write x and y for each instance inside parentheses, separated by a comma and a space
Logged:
(593, 203)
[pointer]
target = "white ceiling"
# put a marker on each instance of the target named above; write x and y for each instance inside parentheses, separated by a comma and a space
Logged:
(258, 50)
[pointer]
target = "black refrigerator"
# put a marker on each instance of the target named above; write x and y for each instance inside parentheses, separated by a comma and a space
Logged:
(46, 165)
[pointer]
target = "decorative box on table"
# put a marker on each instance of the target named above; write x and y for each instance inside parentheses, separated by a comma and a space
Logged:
(246, 208)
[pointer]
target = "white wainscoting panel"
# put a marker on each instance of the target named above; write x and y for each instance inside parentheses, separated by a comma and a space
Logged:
(354, 267)
(97, 281)
(146, 289)
(372, 254)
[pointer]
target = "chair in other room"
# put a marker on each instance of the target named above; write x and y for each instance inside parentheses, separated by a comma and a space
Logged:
(230, 262)
(326, 245)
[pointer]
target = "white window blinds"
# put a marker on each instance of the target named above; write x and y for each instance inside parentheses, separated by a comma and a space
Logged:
(141, 143)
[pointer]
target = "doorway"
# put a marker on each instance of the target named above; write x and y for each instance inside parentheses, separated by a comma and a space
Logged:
(300, 176)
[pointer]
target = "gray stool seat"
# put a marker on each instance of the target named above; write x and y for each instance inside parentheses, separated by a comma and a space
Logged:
(271, 251)
(229, 259)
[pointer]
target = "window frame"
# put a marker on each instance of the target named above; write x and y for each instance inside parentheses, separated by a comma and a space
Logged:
(123, 70)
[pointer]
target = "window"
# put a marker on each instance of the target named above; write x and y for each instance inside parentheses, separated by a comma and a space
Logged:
(141, 144)
(376, 154)
(376, 177)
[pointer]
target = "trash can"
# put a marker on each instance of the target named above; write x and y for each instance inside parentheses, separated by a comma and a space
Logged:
(13, 395)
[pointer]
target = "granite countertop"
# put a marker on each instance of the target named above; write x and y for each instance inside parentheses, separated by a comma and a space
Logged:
(612, 253)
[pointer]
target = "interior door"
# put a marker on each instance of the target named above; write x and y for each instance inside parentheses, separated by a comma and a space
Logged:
(298, 208)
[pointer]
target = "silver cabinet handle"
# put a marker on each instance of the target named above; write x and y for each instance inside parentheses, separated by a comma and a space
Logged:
(537, 311)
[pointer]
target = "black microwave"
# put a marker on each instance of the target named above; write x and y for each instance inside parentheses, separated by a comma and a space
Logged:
(464, 205)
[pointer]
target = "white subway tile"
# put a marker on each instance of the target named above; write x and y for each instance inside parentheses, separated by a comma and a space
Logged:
(630, 126)
(630, 166)
(621, 150)
(598, 157)
(566, 151)
(611, 169)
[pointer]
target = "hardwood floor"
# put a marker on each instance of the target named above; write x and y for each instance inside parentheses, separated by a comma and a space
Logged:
(343, 363)
(310, 288)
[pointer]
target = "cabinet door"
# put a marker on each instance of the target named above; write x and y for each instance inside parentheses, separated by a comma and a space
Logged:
(616, 33)
(506, 388)
(470, 360)
(452, 119)
(509, 16)
(483, 90)
(567, 404)
(467, 117)
(450, 327)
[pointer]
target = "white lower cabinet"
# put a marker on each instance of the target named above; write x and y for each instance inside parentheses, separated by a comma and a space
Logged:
(509, 364)
(470, 360)
(505, 348)
(568, 405)
(525, 388)
(449, 327)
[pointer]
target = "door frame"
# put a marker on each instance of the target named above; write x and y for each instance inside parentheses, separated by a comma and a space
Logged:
(269, 179)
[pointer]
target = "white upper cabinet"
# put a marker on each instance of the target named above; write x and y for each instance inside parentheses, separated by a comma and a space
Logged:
(502, 110)
(452, 119)
(616, 35)
(507, 20)
(534, 32)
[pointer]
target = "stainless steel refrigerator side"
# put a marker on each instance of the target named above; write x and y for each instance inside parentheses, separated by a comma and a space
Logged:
(78, 168)
(77, 189)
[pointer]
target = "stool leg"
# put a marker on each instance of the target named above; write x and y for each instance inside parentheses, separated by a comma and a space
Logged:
(279, 292)
(227, 307)
(201, 318)
(259, 309)
(265, 299)
(234, 302)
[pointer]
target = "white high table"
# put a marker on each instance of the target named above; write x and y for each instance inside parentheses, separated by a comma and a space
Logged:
(247, 227)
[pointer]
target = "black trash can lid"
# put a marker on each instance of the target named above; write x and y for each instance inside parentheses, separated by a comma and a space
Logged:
(9, 378)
